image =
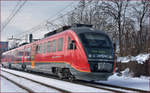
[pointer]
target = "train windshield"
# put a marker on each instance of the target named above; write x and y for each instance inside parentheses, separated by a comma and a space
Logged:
(97, 44)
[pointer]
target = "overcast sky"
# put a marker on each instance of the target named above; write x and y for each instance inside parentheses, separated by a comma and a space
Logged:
(30, 15)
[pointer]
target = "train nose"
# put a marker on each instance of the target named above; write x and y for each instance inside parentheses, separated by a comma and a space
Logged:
(101, 66)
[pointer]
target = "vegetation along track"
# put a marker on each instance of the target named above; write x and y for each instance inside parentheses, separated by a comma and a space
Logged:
(103, 86)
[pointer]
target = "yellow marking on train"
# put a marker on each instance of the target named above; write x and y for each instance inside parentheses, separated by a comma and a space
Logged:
(33, 64)
(15, 63)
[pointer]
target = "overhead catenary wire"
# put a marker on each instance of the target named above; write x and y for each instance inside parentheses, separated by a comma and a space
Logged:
(18, 3)
(36, 28)
(42, 24)
(13, 14)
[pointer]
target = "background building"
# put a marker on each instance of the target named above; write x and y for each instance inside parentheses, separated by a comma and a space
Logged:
(3, 48)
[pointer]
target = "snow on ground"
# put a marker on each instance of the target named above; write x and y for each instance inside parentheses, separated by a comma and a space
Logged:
(29, 84)
(139, 58)
(127, 81)
(56, 83)
(7, 86)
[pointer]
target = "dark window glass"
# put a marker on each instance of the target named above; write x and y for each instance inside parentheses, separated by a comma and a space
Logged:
(95, 40)
(41, 48)
(97, 44)
(44, 47)
(54, 46)
(28, 54)
(60, 44)
(69, 41)
(37, 49)
(48, 47)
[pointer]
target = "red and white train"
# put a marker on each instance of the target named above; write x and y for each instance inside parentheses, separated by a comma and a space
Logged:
(80, 52)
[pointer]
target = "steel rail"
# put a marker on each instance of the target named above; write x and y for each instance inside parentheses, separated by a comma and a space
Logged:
(113, 88)
(61, 90)
(44, 75)
(120, 87)
(19, 85)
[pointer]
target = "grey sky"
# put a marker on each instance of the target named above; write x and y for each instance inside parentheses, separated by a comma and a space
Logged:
(32, 14)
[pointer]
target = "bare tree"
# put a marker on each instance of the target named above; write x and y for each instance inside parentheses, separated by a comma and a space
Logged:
(117, 10)
(141, 13)
(120, 24)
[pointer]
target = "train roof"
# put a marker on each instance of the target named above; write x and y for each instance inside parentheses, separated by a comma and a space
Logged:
(77, 28)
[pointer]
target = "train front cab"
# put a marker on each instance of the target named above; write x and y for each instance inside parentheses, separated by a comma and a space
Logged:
(94, 57)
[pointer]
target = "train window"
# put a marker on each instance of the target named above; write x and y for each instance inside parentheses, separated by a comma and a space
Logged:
(37, 49)
(48, 47)
(43, 50)
(69, 41)
(54, 46)
(44, 47)
(28, 53)
(40, 50)
(60, 44)
(71, 44)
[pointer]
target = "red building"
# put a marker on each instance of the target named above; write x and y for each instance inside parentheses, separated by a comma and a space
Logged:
(3, 47)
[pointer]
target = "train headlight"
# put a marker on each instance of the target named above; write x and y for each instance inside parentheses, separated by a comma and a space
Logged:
(90, 55)
(110, 57)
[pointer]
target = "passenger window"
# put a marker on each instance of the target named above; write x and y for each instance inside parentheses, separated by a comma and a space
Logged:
(54, 46)
(48, 47)
(69, 41)
(60, 44)
(37, 49)
(44, 47)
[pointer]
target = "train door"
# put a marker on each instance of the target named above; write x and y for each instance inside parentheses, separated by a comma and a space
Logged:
(23, 53)
(71, 47)
(33, 55)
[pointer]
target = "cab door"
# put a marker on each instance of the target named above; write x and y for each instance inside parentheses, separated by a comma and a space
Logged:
(71, 50)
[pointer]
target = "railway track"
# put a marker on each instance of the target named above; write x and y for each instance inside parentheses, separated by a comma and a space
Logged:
(19, 85)
(30, 89)
(68, 90)
(102, 86)
(110, 87)
(99, 85)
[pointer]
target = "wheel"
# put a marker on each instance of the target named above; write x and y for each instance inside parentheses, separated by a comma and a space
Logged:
(60, 75)
(23, 67)
(3, 66)
(9, 66)
(71, 78)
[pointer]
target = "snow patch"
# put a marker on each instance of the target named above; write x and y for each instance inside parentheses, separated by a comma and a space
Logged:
(127, 81)
(141, 58)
